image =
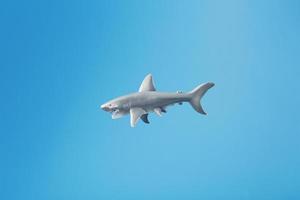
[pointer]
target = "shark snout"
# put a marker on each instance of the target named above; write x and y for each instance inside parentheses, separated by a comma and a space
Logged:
(109, 107)
(105, 107)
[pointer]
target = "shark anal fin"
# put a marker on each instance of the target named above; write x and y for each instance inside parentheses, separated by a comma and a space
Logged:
(135, 114)
(144, 117)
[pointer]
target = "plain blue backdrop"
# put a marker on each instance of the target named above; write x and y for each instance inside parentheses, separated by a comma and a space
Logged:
(60, 60)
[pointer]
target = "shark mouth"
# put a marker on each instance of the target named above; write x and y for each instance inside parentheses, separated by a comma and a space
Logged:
(117, 114)
(115, 111)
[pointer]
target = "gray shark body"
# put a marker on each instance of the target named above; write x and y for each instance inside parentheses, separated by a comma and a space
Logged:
(139, 104)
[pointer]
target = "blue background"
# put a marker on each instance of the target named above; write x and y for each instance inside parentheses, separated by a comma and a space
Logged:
(61, 59)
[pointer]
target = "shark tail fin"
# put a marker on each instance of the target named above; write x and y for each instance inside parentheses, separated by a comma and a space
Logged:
(197, 94)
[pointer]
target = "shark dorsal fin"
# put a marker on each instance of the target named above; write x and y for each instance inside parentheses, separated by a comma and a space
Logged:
(147, 84)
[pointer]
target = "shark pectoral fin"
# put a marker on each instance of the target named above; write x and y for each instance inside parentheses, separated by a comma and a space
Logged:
(147, 84)
(144, 117)
(158, 111)
(118, 114)
(135, 114)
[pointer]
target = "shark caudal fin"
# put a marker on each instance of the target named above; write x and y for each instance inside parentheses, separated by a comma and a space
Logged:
(197, 94)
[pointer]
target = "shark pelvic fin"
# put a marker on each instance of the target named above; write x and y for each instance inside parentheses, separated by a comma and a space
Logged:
(163, 110)
(158, 111)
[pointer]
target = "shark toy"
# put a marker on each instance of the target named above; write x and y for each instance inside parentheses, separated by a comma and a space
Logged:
(147, 99)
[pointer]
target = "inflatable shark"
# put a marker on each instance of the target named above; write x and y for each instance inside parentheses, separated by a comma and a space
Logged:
(147, 100)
